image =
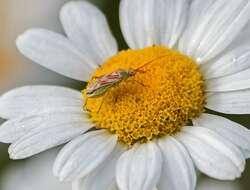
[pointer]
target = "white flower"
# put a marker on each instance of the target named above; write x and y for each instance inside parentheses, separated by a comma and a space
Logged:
(147, 111)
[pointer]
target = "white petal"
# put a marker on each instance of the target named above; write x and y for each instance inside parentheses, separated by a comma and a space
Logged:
(212, 154)
(238, 81)
(13, 129)
(234, 132)
(232, 62)
(88, 29)
(215, 28)
(149, 22)
(241, 40)
(84, 154)
(104, 174)
(56, 131)
(177, 165)
(197, 8)
(38, 99)
(55, 52)
(237, 102)
(139, 168)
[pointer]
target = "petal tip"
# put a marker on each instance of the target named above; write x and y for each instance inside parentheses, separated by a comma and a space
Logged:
(13, 155)
(21, 38)
(24, 38)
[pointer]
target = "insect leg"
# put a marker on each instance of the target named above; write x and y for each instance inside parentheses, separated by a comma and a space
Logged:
(115, 99)
(113, 85)
(138, 82)
(100, 107)
(85, 103)
(101, 104)
(149, 62)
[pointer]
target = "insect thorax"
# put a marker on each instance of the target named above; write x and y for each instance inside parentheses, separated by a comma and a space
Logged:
(127, 73)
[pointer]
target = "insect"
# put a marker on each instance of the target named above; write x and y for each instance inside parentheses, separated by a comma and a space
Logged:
(102, 84)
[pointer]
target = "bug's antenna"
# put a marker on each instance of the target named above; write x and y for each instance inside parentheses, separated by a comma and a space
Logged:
(133, 80)
(151, 61)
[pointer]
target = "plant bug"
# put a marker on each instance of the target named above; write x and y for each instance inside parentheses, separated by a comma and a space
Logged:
(103, 83)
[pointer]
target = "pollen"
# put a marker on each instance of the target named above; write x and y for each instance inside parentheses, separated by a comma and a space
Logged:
(159, 99)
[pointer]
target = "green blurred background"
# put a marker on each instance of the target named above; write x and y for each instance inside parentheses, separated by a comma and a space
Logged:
(18, 15)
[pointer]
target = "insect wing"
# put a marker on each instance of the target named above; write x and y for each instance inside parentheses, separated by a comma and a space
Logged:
(101, 84)
(111, 78)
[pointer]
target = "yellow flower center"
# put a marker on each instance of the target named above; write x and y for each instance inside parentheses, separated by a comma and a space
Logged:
(159, 99)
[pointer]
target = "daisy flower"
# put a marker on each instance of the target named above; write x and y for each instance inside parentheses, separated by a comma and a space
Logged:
(142, 121)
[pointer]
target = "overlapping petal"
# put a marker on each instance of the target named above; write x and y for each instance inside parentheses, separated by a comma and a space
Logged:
(177, 163)
(234, 132)
(42, 138)
(152, 22)
(105, 173)
(84, 154)
(212, 27)
(238, 81)
(13, 129)
(87, 27)
(212, 154)
(139, 168)
(30, 100)
(236, 102)
(232, 62)
(55, 52)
